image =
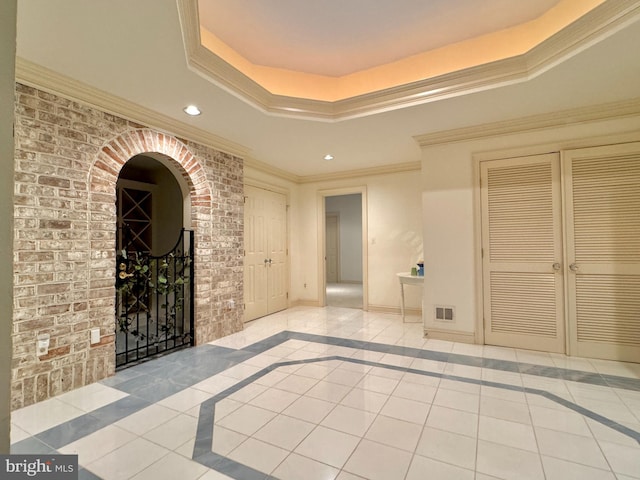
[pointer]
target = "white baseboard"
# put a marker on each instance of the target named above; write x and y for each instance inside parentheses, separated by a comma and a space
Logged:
(304, 303)
(394, 310)
(449, 335)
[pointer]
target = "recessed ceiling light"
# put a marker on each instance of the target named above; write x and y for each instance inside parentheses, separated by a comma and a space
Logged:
(328, 156)
(192, 110)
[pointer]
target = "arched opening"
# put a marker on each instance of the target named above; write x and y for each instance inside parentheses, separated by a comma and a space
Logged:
(213, 190)
(151, 203)
(154, 280)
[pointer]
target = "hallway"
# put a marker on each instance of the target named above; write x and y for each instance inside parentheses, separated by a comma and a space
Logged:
(347, 295)
(337, 393)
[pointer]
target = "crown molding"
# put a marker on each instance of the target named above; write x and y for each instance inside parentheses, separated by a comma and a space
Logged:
(606, 19)
(532, 123)
(363, 172)
(253, 182)
(43, 78)
(600, 22)
(330, 177)
(263, 167)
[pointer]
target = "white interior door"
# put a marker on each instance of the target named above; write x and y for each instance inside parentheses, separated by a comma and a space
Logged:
(603, 236)
(255, 254)
(522, 253)
(277, 277)
(265, 260)
(332, 246)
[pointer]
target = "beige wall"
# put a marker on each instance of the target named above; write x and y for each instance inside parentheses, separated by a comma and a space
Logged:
(394, 237)
(7, 60)
(449, 208)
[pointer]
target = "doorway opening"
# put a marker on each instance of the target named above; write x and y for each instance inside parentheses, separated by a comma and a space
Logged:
(344, 250)
(154, 278)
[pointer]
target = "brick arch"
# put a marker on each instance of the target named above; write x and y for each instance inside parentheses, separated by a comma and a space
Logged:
(119, 150)
(102, 221)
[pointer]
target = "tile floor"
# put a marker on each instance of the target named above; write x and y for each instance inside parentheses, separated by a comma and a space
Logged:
(348, 295)
(338, 393)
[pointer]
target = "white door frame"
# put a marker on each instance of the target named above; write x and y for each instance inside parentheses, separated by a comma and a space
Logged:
(322, 274)
(335, 215)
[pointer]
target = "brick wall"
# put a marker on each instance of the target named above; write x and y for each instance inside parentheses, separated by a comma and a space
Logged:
(67, 160)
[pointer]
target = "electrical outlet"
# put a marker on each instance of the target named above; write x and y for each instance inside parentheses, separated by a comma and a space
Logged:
(42, 344)
(95, 336)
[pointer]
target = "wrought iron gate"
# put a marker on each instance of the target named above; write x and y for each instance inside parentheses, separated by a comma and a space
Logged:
(154, 301)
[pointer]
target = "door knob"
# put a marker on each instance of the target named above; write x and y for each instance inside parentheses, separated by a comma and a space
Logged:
(556, 267)
(573, 267)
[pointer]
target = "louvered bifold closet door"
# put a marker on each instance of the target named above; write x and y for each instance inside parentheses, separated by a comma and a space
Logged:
(603, 236)
(522, 253)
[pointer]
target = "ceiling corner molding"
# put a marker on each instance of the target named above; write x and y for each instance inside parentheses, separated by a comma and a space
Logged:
(43, 78)
(262, 167)
(211, 66)
(608, 111)
(363, 172)
(269, 170)
(602, 21)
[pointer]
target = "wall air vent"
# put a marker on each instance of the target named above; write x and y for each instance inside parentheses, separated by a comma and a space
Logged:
(444, 313)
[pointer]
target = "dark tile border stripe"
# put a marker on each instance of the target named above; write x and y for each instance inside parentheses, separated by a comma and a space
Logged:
(613, 381)
(202, 450)
(149, 382)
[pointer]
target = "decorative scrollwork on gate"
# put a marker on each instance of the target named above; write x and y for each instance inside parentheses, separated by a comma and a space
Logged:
(154, 302)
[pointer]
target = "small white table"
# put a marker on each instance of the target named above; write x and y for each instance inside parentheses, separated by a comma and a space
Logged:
(407, 279)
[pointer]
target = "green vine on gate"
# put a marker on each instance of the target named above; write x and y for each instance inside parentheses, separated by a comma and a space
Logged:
(135, 281)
